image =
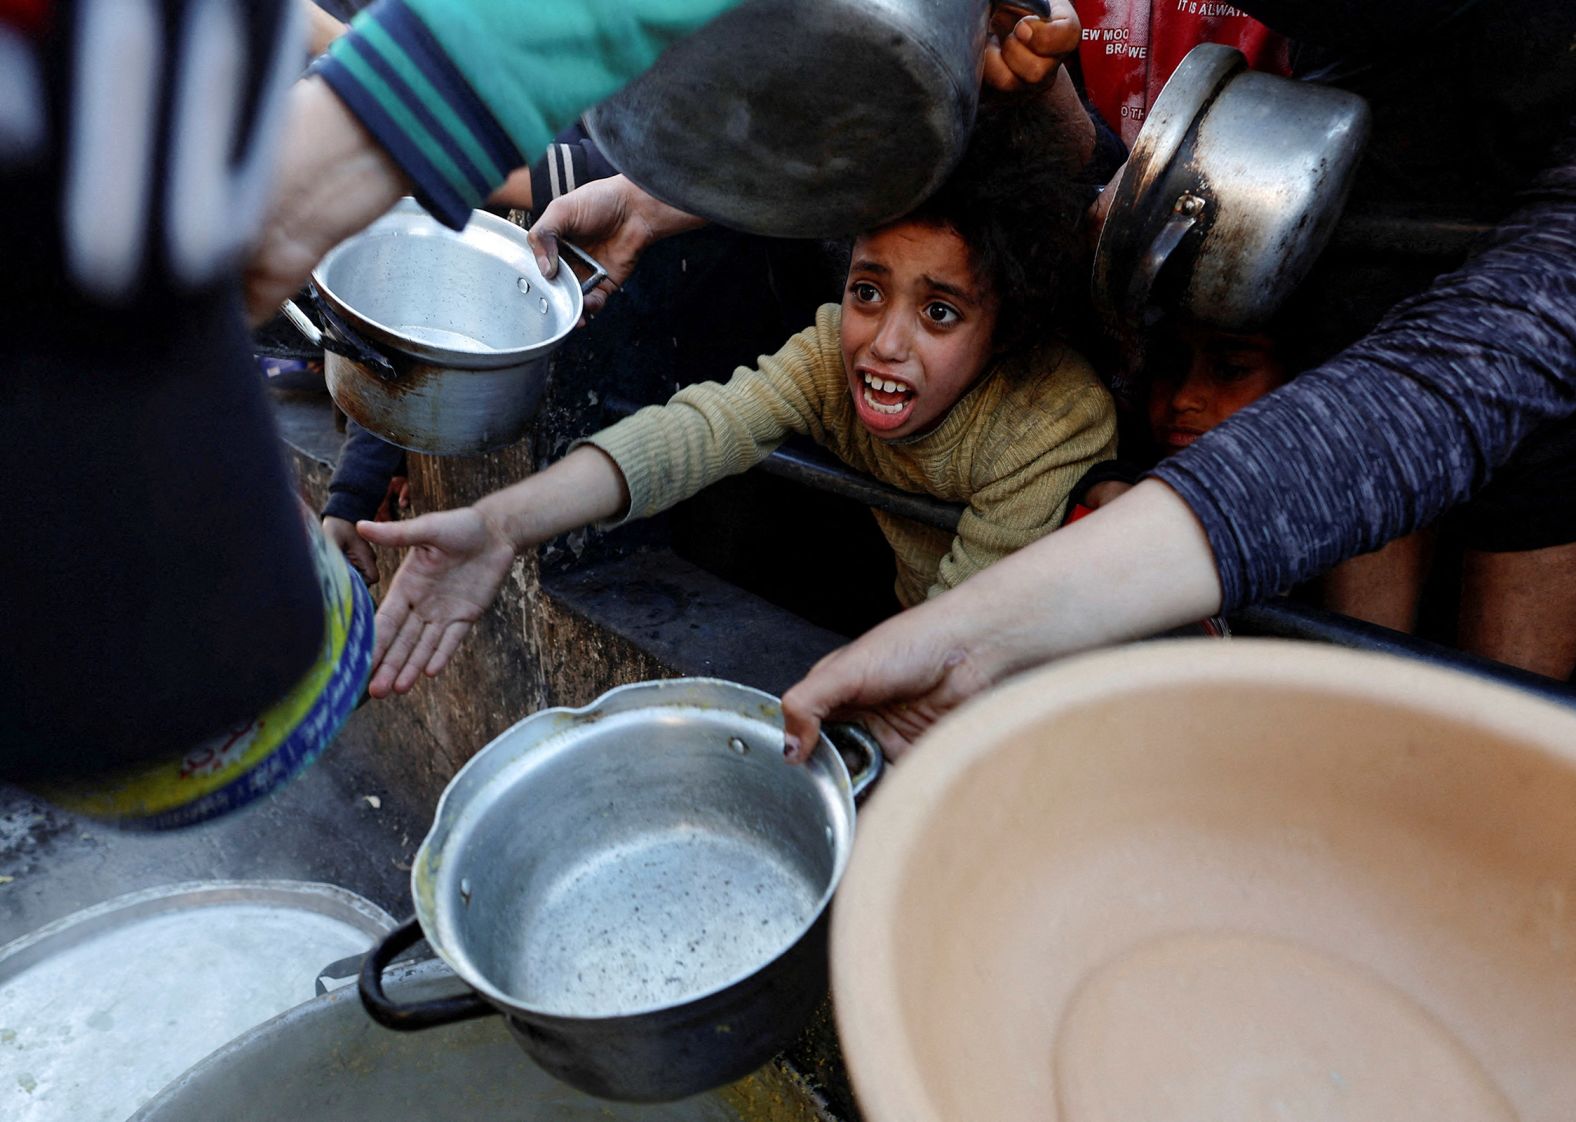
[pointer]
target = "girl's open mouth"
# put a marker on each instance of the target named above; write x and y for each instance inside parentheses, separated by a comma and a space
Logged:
(882, 403)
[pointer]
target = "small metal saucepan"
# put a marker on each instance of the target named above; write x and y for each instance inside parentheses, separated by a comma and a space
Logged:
(435, 338)
(639, 886)
(1233, 188)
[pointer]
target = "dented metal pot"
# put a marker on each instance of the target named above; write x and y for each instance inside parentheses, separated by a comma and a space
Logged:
(435, 339)
(640, 887)
(805, 118)
(1232, 190)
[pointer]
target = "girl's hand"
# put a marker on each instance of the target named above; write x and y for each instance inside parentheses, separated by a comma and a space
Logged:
(342, 534)
(1024, 55)
(458, 560)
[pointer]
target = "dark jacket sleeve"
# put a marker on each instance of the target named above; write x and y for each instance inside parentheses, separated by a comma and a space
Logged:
(1408, 422)
(366, 464)
(572, 160)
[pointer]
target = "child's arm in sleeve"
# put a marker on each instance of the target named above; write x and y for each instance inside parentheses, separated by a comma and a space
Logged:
(459, 559)
(1024, 493)
(706, 432)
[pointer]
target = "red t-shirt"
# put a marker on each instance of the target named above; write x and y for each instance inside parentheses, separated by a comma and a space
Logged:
(1130, 48)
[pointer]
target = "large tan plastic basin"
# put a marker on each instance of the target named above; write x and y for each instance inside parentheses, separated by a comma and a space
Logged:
(1245, 880)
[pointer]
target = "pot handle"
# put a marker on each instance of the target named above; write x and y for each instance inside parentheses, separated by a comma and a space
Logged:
(862, 742)
(347, 344)
(598, 274)
(422, 1014)
(298, 319)
(1186, 212)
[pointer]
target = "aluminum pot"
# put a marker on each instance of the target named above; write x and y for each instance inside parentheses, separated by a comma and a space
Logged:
(853, 113)
(435, 339)
(1232, 190)
(640, 887)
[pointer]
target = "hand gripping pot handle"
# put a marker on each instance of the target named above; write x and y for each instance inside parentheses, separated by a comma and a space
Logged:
(855, 740)
(598, 273)
(419, 1014)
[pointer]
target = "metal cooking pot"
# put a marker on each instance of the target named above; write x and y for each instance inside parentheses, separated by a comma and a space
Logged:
(640, 887)
(853, 113)
(435, 338)
(324, 1061)
(1235, 182)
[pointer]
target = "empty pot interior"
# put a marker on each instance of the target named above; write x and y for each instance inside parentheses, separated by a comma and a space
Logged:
(1297, 865)
(473, 291)
(644, 859)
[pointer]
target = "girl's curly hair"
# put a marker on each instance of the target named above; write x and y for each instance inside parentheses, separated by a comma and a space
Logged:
(1016, 201)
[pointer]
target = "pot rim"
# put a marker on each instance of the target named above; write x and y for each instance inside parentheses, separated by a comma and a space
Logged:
(866, 986)
(409, 214)
(560, 721)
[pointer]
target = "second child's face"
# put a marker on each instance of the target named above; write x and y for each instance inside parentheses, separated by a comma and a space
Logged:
(917, 327)
(1211, 376)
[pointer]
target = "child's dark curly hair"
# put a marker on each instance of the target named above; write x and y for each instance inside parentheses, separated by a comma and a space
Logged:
(1016, 201)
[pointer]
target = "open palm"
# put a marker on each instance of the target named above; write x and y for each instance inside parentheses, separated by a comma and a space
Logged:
(457, 562)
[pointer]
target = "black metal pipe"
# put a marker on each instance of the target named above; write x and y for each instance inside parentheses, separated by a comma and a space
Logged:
(1276, 618)
(1378, 234)
(813, 468)
(1286, 619)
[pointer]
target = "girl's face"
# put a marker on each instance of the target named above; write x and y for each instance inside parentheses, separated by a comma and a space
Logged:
(917, 327)
(1211, 376)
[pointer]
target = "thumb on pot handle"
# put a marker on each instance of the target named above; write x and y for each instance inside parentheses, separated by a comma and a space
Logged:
(598, 273)
(418, 1015)
(861, 742)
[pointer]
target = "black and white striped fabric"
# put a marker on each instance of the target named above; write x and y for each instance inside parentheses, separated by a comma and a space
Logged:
(571, 161)
(155, 584)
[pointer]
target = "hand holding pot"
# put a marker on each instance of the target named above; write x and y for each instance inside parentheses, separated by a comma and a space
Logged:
(897, 681)
(458, 560)
(1024, 55)
(614, 221)
(1139, 565)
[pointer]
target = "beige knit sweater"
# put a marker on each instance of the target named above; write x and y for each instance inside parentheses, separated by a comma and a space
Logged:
(1011, 449)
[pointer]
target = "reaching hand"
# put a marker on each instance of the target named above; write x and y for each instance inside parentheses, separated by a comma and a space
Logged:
(897, 681)
(342, 533)
(1141, 564)
(1024, 55)
(458, 560)
(612, 220)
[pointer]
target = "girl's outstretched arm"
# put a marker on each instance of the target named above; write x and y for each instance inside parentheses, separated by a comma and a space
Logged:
(458, 560)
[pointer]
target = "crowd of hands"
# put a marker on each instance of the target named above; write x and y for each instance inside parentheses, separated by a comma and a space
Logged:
(898, 679)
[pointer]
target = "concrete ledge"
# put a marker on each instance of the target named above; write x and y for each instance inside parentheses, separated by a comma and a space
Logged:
(691, 621)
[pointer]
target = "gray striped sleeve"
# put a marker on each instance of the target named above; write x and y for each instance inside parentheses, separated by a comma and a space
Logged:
(1405, 424)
